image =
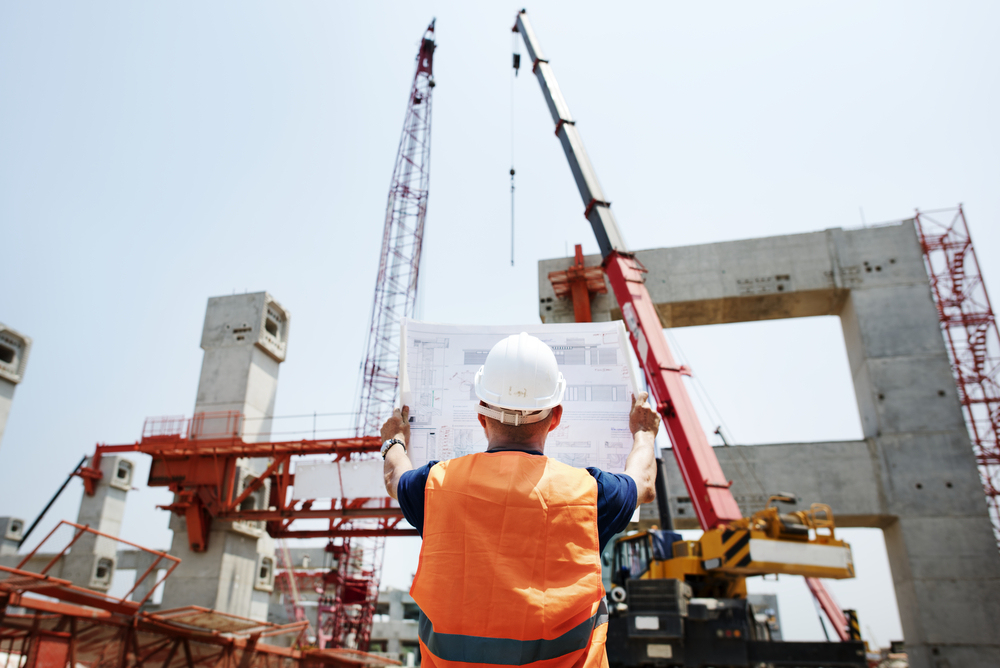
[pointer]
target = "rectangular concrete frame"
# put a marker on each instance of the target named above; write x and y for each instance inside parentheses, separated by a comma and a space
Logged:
(913, 475)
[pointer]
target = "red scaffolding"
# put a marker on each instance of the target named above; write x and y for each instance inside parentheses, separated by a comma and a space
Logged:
(970, 332)
(47, 621)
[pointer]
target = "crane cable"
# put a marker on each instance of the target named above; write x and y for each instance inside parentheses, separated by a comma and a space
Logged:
(517, 67)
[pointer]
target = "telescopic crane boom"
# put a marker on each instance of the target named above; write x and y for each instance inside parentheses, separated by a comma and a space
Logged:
(714, 504)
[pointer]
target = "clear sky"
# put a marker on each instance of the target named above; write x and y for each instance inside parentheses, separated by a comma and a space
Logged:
(154, 155)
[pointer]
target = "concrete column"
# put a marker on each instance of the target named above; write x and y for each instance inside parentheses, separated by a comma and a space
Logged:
(244, 338)
(91, 561)
(914, 476)
(14, 349)
(140, 561)
(395, 614)
(944, 559)
(11, 529)
(397, 629)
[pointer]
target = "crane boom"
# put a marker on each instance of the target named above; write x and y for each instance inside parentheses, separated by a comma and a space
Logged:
(713, 502)
(598, 210)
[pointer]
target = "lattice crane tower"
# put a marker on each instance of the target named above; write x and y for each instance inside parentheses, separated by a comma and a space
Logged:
(347, 622)
(402, 238)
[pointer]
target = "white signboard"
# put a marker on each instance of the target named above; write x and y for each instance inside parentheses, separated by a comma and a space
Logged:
(333, 480)
(438, 368)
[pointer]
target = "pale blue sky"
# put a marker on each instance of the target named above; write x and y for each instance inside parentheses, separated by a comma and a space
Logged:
(154, 155)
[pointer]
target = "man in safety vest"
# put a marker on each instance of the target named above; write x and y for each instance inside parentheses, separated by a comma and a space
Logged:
(510, 570)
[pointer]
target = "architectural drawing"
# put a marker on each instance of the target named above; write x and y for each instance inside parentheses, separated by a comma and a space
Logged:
(438, 384)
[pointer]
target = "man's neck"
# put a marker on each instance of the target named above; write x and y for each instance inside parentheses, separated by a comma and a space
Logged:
(538, 448)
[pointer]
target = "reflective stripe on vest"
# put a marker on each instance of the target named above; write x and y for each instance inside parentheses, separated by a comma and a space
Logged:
(507, 651)
(510, 570)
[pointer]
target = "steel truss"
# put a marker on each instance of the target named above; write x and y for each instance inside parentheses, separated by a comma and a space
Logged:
(970, 332)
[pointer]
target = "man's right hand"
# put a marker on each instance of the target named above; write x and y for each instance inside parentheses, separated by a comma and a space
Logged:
(398, 426)
(642, 417)
(396, 461)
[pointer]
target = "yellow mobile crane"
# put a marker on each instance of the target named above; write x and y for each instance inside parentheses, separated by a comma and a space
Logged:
(769, 542)
(677, 602)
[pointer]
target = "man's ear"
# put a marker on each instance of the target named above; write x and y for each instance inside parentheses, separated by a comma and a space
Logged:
(556, 417)
(482, 420)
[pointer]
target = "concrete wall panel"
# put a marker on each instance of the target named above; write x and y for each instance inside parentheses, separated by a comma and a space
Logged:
(886, 313)
(929, 475)
(913, 394)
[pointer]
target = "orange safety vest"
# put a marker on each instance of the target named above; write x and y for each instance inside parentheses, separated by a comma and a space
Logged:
(510, 570)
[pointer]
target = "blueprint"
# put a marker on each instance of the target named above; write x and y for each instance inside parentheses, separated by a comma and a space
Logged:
(438, 365)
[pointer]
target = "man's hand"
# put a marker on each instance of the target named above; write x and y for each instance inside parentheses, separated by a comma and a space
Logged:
(398, 426)
(644, 422)
(396, 461)
(642, 417)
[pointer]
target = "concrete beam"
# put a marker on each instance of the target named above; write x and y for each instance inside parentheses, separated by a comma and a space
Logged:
(842, 474)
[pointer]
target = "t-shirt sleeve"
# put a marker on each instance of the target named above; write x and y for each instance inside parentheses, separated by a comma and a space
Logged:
(410, 494)
(617, 499)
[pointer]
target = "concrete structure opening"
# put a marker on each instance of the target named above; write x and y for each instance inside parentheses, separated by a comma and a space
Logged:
(802, 389)
(805, 394)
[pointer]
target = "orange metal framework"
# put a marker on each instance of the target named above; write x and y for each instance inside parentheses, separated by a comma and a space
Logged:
(201, 469)
(82, 627)
(16, 580)
(579, 282)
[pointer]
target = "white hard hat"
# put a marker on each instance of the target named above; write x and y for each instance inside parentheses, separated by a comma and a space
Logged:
(520, 375)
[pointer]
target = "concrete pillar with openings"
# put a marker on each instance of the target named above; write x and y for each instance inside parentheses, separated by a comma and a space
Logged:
(92, 560)
(913, 475)
(11, 530)
(244, 338)
(14, 349)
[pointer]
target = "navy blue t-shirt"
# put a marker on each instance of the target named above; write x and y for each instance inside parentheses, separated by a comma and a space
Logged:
(616, 499)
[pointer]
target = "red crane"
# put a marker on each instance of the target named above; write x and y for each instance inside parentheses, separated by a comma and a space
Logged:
(402, 239)
(348, 618)
(704, 479)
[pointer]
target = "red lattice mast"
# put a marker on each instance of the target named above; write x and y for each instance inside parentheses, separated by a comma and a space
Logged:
(402, 238)
(350, 612)
(970, 332)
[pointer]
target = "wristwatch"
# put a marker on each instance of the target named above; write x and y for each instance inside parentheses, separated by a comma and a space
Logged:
(388, 444)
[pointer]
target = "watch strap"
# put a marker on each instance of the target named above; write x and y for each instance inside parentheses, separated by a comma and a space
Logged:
(388, 444)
